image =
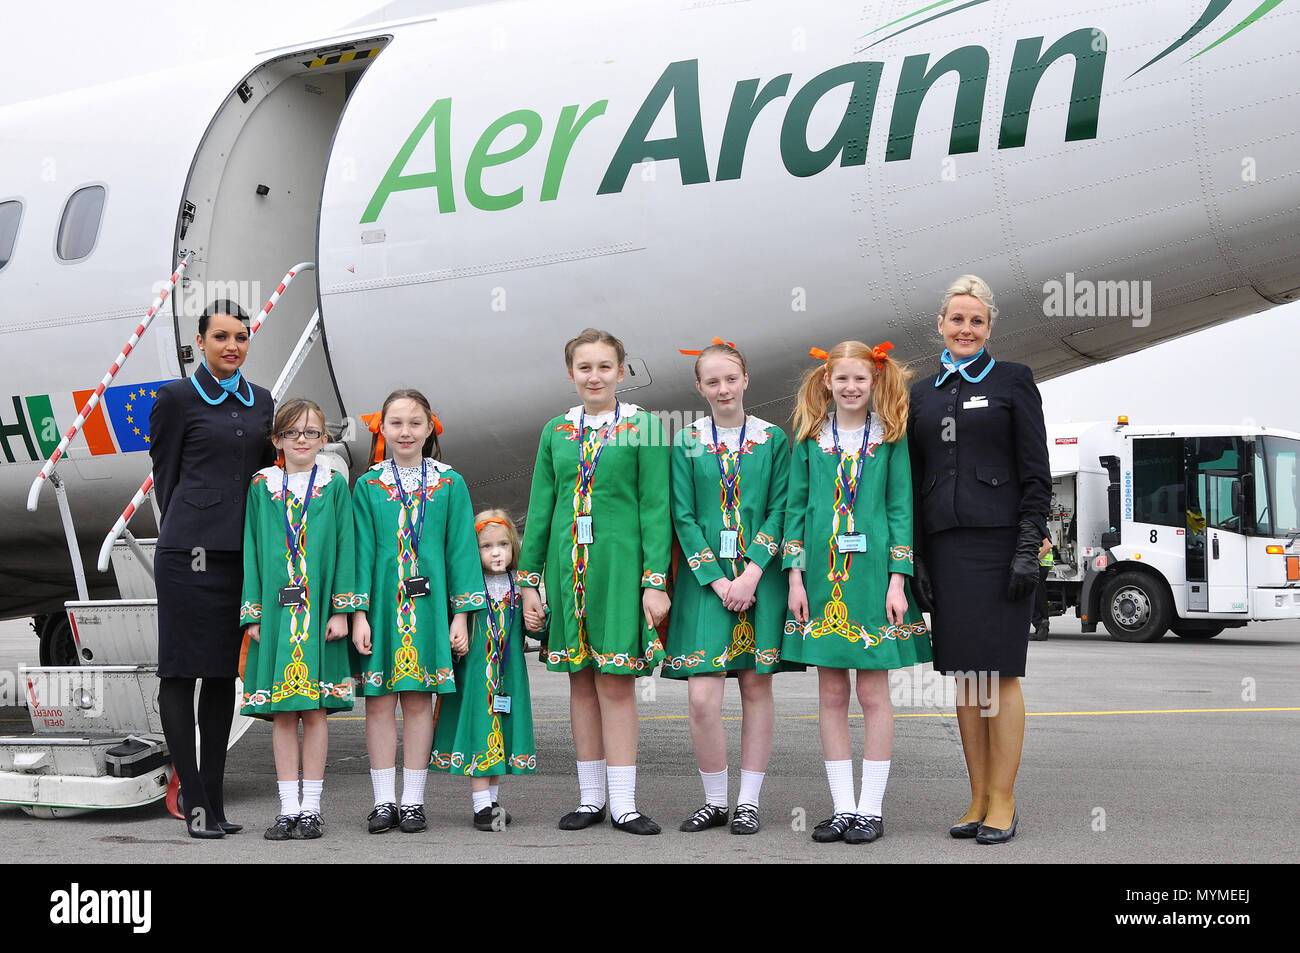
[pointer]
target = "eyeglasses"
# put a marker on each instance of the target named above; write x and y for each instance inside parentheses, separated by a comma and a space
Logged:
(294, 434)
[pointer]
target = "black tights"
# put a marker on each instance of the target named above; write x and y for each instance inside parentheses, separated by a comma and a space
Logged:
(201, 778)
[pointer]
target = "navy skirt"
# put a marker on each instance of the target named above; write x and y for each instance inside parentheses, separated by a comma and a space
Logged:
(974, 626)
(198, 613)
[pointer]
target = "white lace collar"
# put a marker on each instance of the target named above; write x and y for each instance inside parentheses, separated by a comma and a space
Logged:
(498, 585)
(273, 480)
(410, 475)
(756, 433)
(875, 436)
(574, 416)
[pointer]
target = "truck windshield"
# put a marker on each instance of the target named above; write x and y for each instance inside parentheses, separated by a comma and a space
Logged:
(1277, 467)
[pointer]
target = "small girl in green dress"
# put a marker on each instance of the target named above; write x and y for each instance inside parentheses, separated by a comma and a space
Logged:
(298, 571)
(729, 476)
(848, 547)
(485, 729)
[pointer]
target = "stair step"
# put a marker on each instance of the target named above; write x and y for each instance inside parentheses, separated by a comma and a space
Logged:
(133, 580)
(65, 795)
(82, 757)
(115, 631)
(92, 700)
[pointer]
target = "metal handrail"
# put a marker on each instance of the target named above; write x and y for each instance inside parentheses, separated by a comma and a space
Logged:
(120, 526)
(93, 401)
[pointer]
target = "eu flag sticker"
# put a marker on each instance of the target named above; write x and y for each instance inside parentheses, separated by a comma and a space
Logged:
(128, 410)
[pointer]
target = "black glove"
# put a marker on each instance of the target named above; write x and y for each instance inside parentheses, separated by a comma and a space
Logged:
(922, 587)
(1024, 564)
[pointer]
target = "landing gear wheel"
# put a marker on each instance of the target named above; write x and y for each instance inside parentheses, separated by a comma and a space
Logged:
(1135, 608)
(57, 646)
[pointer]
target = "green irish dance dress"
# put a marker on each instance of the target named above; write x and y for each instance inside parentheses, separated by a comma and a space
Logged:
(292, 667)
(847, 627)
(471, 738)
(594, 588)
(725, 488)
(410, 635)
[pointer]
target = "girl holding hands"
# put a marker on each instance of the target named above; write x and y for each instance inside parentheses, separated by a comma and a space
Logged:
(598, 527)
(848, 550)
(729, 476)
(417, 560)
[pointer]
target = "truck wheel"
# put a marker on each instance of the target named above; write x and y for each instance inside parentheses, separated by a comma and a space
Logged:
(1197, 631)
(1135, 608)
(57, 647)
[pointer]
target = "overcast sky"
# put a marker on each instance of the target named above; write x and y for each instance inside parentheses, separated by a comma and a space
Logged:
(1241, 371)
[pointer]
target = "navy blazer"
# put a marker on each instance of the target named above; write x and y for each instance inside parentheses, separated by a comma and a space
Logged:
(979, 451)
(204, 458)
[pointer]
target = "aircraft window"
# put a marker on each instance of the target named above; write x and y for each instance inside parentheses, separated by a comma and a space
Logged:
(11, 213)
(80, 225)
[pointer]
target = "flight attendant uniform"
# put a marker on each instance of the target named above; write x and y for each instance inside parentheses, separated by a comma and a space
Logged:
(205, 444)
(847, 626)
(720, 488)
(614, 474)
(291, 667)
(413, 522)
(979, 467)
(474, 737)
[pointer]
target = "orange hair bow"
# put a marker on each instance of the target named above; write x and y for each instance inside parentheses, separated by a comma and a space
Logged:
(818, 353)
(716, 340)
(478, 527)
(880, 353)
(375, 421)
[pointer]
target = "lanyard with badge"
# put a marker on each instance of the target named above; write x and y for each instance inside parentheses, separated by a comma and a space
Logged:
(417, 585)
(729, 541)
(291, 596)
(587, 474)
(849, 542)
(500, 649)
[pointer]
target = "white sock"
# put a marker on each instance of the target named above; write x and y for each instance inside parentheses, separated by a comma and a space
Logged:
(288, 798)
(413, 785)
(715, 787)
(622, 791)
(750, 782)
(875, 775)
(494, 790)
(840, 776)
(311, 791)
(384, 781)
(482, 799)
(591, 783)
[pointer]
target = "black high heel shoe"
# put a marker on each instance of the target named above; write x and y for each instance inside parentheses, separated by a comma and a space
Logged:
(219, 829)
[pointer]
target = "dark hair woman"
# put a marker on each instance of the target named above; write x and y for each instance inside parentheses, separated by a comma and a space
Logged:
(982, 485)
(208, 436)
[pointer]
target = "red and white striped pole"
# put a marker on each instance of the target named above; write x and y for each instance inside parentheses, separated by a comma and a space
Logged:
(93, 402)
(147, 485)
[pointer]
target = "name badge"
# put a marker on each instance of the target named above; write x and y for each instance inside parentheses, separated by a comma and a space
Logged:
(416, 586)
(851, 543)
(293, 596)
(582, 526)
(975, 403)
(500, 704)
(729, 544)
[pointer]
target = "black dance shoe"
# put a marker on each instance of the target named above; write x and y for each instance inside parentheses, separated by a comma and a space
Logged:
(383, 818)
(833, 828)
(309, 826)
(413, 820)
(580, 820)
(992, 835)
(637, 823)
(496, 806)
(283, 827)
(708, 816)
(865, 829)
(746, 820)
